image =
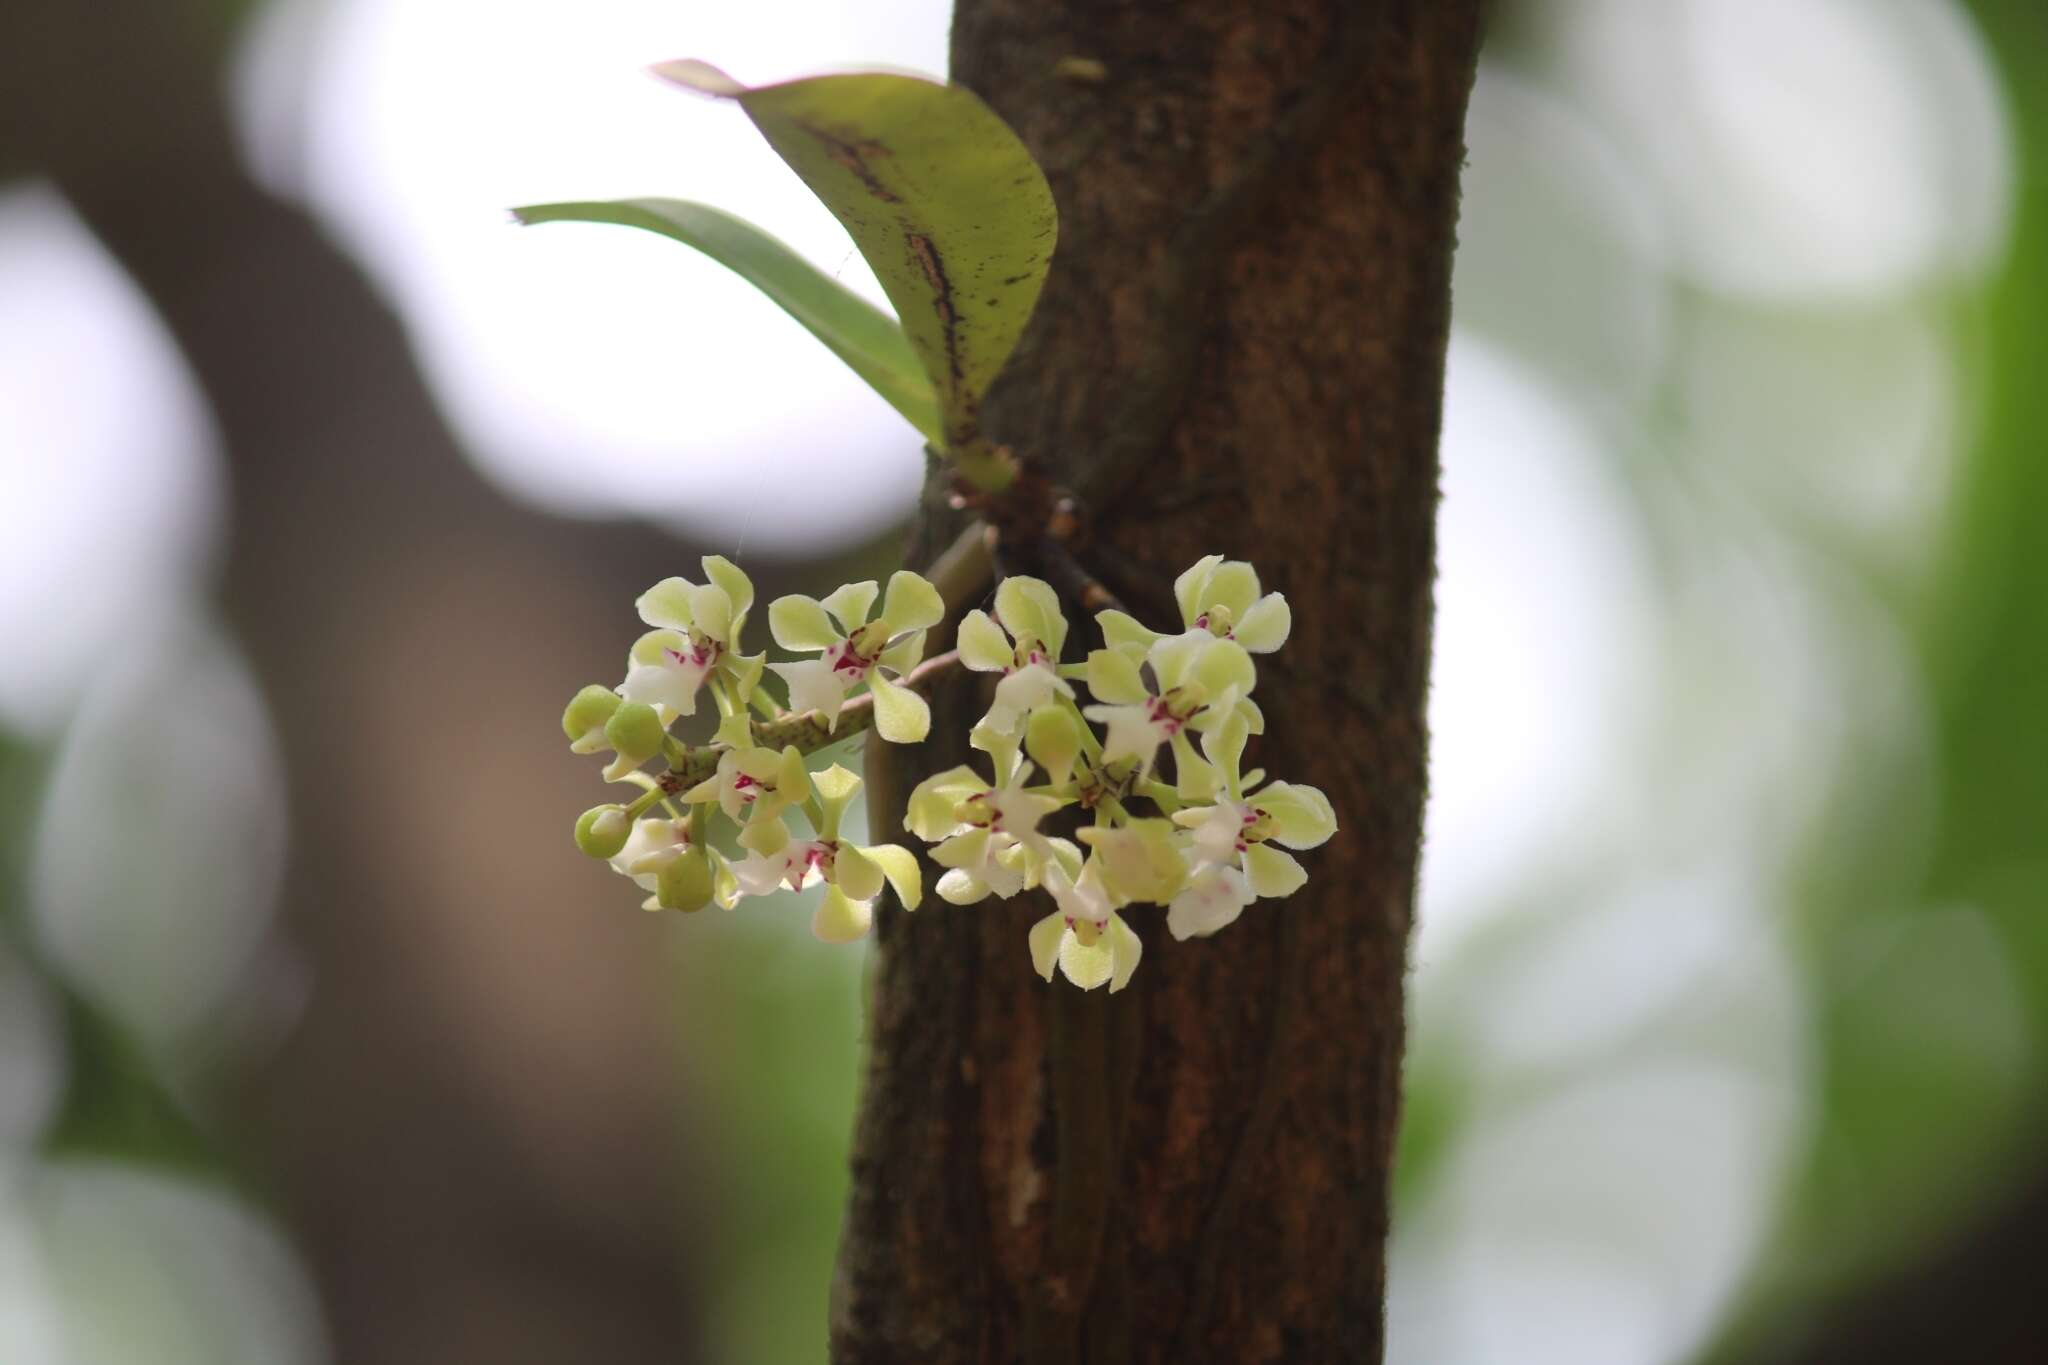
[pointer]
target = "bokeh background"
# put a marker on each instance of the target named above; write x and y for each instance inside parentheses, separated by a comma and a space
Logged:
(322, 487)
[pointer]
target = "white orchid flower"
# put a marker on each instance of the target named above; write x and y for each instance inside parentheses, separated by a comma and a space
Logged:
(696, 631)
(986, 835)
(1219, 599)
(1194, 689)
(661, 858)
(1085, 938)
(1022, 643)
(754, 783)
(856, 650)
(1229, 843)
(853, 874)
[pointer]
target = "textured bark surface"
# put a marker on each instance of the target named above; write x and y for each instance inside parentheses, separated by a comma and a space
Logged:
(1240, 350)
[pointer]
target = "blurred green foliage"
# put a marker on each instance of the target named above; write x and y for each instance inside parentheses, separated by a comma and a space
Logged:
(1930, 1105)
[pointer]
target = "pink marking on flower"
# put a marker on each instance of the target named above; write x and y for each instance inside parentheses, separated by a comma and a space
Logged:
(701, 654)
(844, 658)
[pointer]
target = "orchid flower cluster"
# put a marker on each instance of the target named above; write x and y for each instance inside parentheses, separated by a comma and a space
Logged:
(714, 827)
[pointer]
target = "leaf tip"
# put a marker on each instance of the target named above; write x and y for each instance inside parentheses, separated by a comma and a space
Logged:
(702, 77)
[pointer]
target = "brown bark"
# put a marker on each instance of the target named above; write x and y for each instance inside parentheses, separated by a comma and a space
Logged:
(1240, 350)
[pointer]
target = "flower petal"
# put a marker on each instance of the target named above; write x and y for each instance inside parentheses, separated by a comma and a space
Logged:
(655, 645)
(852, 603)
(1029, 688)
(799, 622)
(667, 604)
(1087, 965)
(1194, 778)
(813, 686)
(899, 864)
(1188, 589)
(1053, 739)
(1233, 586)
(1213, 898)
(1001, 881)
(961, 887)
(912, 603)
(666, 683)
(1224, 747)
(1125, 948)
(983, 645)
(739, 589)
(1173, 656)
(930, 812)
(1224, 664)
(1270, 873)
(1113, 678)
(713, 611)
(967, 850)
(1138, 859)
(1084, 897)
(1302, 816)
(905, 654)
(745, 672)
(1122, 633)
(901, 716)
(855, 873)
(1046, 937)
(839, 919)
(1000, 745)
(1264, 628)
(1030, 609)
(765, 837)
(1132, 733)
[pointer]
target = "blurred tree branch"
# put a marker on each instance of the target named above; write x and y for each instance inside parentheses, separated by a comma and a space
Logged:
(373, 577)
(1973, 1297)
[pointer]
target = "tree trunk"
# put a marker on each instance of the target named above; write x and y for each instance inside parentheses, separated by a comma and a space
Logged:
(1240, 350)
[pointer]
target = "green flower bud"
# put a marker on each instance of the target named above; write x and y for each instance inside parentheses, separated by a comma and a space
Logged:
(602, 831)
(584, 719)
(635, 731)
(684, 882)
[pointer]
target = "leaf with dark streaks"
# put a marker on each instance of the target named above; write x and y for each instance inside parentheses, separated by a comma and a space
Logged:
(940, 196)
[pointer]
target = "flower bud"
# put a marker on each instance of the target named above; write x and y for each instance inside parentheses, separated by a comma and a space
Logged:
(685, 882)
(602, 831)
(584, 719)
(635, 731)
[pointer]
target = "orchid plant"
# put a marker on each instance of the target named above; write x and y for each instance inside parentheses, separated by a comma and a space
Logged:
(935, 189)
(714, 825)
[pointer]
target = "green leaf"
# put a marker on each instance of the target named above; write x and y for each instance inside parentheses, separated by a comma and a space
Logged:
(859, 333)
(939, 195)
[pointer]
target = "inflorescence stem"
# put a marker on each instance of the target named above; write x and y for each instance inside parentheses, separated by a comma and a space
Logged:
(808, 732)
